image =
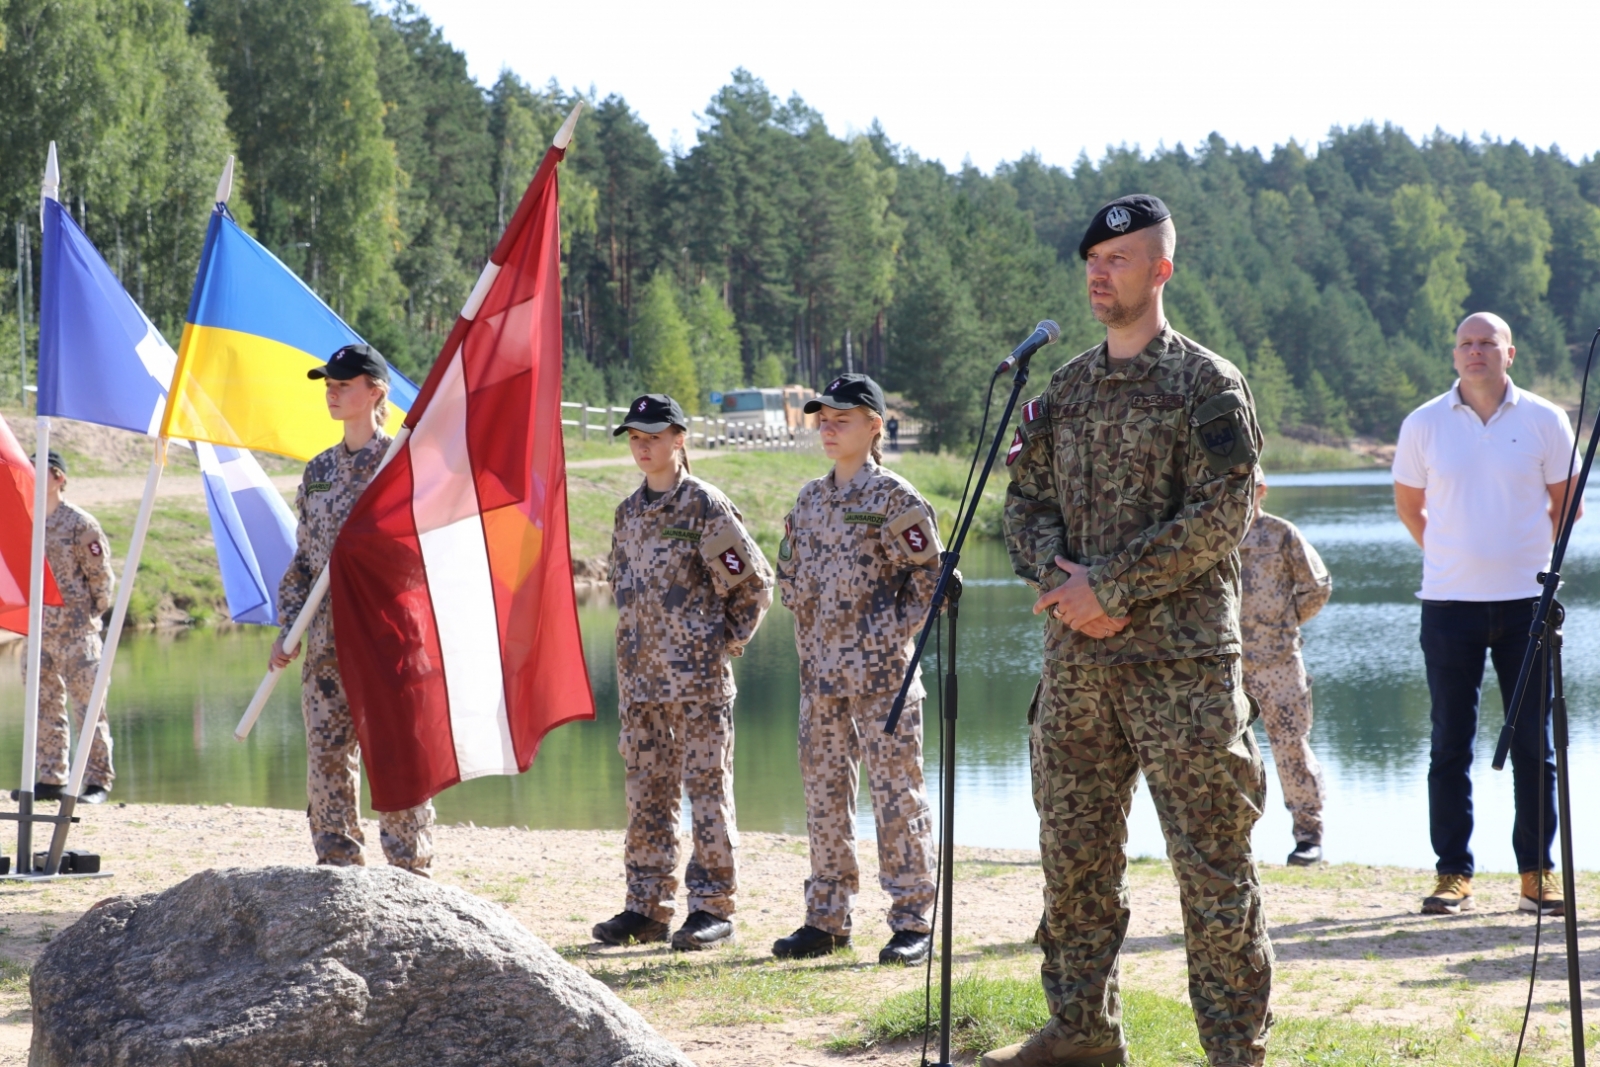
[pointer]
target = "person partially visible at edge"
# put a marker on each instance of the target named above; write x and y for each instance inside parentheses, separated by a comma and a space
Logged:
(1132, 485)
(857, 566)
(1285, 585)
(69, 652)
(356, 388)
(1481, 482)
(691, 588)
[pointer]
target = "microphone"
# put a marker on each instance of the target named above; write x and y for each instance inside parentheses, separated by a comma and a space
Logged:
(1045, 333)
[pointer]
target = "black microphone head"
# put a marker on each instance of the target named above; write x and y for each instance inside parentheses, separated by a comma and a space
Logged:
(1049, 327)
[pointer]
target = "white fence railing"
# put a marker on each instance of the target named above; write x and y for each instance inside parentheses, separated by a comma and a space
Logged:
(705, 431)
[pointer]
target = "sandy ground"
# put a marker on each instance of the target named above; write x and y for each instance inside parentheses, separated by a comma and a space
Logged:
(1349, 939)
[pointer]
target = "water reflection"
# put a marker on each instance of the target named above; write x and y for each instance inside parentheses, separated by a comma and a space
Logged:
(175, 701)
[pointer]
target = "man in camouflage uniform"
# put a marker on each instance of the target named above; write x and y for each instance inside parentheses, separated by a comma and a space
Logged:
(1285, 585)
(328, 490)
(80, 559)
(691, 588)
(1131, 487)
(857, 566)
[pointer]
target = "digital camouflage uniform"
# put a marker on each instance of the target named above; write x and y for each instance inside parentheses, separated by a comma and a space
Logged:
(857, 566)
(69, 654)
(1285, 584)
(1143, 472)
(328, 490)
(691, 588)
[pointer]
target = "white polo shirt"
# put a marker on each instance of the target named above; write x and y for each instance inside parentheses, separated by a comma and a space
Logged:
(1488, 532)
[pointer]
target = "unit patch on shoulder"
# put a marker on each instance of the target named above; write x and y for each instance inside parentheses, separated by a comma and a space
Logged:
(319, 487)
(675, 533)
(94, 548)
(1166, 401)
(915, 531)
(871, 518)
(727, 557)
(1015, 450)
(1033, 409)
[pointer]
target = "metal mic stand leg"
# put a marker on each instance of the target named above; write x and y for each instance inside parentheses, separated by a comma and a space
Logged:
(947, 833)
(1558, 722)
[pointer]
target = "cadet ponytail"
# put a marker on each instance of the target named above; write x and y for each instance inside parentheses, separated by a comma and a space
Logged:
(683, 448)
(380, 410)
(877, 438)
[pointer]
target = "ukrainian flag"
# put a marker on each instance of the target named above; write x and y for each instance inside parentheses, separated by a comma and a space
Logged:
(252, 331)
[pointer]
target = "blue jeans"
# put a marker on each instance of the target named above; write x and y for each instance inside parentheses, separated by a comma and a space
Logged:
(1455, 636)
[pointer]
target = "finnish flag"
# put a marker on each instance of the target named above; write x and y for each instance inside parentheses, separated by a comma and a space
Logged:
(253, 528)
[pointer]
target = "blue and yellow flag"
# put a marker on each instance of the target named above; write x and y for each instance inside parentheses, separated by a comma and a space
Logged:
(252, 331)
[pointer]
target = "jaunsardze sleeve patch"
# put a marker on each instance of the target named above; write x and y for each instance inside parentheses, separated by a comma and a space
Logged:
(916, 533)
(726, 555)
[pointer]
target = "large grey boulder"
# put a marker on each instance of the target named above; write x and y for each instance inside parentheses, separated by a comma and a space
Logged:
(322, 965)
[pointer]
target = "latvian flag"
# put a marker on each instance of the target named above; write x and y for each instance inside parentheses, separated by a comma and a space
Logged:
(16, 536)
(453, 606)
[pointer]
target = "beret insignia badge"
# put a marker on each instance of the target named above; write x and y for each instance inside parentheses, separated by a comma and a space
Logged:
(1119, 219)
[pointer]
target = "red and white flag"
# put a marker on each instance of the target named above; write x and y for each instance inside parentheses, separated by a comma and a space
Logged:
(453, 607)
(16, 535)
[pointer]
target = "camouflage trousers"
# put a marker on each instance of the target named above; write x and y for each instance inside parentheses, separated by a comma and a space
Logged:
(834, 734)
(333, 782)
(67, 667)
(1185, 725)
(1283, 689)
(667, 748)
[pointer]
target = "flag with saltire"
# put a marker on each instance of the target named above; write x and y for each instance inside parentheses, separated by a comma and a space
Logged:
(252, 331)
(16, 535)
(453, 604)
(101, 360)
(253, 528)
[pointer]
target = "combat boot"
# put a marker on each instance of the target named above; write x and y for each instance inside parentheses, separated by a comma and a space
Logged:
(629, 927)
(808, 943)
(1050, 1048)
(702, 930)
(905, 948)
(1305, 854)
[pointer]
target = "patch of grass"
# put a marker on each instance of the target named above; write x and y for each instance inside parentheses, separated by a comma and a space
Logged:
(984, 869)
(736, 990)
(178, 568)
(1288, 454)
(988, 1012)
(13, 975)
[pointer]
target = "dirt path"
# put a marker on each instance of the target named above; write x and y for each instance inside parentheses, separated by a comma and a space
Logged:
(1348, 938)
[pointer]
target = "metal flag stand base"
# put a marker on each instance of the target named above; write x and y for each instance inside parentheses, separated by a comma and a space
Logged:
(25, 818)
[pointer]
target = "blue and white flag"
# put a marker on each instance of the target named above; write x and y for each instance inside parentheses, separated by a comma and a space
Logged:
(101, 360)
(253, 528)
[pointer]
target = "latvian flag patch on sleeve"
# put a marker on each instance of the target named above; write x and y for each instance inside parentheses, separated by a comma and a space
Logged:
(1033, 409)
(1015, 450)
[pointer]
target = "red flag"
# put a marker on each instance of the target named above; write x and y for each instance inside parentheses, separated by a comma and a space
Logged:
(453, 607)
(16, 536)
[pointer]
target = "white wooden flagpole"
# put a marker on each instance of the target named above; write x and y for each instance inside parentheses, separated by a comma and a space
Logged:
(320, 588)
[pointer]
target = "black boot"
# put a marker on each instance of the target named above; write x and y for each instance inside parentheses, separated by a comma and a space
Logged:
(629, 927)
(1305, 854)
(808, 943)
(94, 793)
(906, 947)
(702, 930)
(41, 791)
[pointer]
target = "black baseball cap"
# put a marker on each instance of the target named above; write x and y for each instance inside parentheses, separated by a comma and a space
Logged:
(352, 361)
(848, 391)
(652, 413)
(1125, 214)
(52, 459)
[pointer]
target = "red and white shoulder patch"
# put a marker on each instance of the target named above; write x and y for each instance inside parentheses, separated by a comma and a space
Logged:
(1015, 450)
(1033, 409)
(727, 556)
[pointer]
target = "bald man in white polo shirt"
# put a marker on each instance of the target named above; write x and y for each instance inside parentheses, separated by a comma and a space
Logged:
(1481, 480)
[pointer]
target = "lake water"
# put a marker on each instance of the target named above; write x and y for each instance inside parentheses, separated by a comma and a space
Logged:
(176, 698)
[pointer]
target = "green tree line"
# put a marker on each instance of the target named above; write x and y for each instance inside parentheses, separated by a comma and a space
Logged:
(770, 250)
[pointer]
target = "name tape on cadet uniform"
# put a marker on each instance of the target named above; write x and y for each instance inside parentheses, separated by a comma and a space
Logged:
(676, 533)
(726, 554)
(871, 518)
(319, 487)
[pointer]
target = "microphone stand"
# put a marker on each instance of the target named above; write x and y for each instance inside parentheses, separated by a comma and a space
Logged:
(1545, 636)
(947, 750)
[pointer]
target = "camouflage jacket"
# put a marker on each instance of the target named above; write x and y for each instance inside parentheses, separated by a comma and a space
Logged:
(333, 481)
(80, 559)
(1144, 473)
(691, 587)
(1285, 585)
(857, 566)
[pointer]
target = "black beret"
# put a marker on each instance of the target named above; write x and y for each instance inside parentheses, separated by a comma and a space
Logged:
(1125, 214)
(352, 361)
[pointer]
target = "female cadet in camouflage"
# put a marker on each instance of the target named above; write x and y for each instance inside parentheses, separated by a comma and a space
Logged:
(69, 656)
(857, 566)
(357, 388)
(691, 588)
(1285, 585)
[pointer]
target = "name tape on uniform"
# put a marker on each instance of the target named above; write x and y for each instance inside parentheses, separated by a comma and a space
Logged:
(677, 533)
(319, 487)
(1167, 401)
(871, 518)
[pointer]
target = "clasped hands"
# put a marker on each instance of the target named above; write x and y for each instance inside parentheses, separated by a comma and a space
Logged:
(1073, 603)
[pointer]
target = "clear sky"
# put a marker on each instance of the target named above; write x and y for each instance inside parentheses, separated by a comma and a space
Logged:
(988, 80)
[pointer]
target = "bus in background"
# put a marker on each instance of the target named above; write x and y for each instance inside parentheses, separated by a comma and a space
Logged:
(758, 411)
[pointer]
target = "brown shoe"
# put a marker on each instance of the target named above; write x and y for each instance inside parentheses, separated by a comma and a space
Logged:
(1451, 896)
(1050, 1048)
(1541, 892)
